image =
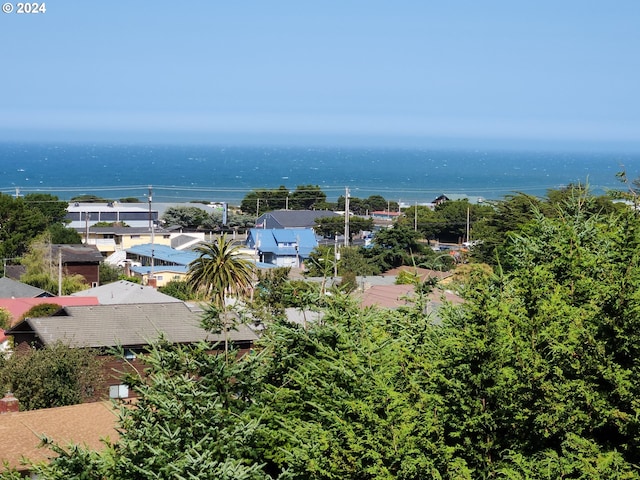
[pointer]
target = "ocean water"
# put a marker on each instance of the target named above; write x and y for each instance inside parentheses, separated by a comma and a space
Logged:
(228, 173)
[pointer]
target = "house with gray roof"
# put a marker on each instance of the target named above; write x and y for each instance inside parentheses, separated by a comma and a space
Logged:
(10, 288)
(79, 259)
(292, 218)
(124, 292)
(130, 328)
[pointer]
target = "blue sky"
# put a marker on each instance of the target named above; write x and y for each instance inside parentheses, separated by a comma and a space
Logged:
(403, 72)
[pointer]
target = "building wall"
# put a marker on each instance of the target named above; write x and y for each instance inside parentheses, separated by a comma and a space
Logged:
(161, 278)
(128, 241)
(90, 272)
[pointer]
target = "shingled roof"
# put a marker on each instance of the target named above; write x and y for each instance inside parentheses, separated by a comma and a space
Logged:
(85, 424)
(77, 253)
(10, 288)
(125, 292)
(133, 325)
(292, 218)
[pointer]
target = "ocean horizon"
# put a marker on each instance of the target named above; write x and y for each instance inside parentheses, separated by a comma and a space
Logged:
(217, 173)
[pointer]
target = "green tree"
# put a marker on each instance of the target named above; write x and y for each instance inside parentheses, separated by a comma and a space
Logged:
(220, 271)
(422, 217)
(260, 201)
(110, 273)
(187, 422)
(52, 377)
(366, 206)
(19, 224)
(186, 217)
(328, 227)
(179, 289)
(42, 269)
(538, 365)
(307, 197)
(395, 246)
(451, 219)
(269, 297)
(64, 235)
(51, 207)
(41, 310)
(5, 318)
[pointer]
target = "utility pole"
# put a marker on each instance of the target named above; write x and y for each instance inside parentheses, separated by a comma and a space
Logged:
(59, 271)
(151, 228)
(346, 217)
(87, 217)
(415, 218)
(468, 226)
(336, 256)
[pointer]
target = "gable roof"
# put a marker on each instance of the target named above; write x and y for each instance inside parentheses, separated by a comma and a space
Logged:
(125, 292)
(83, 424)
(77, 253)
(293, 218)
(10, 288)
(130, 325)
(283, 242)
(19, 306)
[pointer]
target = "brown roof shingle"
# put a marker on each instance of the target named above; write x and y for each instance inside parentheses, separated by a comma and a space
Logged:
(84, 424)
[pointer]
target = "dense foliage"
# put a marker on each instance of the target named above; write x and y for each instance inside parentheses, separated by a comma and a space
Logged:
(24, 218)
(304, 197)
(52, 377)
(535, 376)
(196, 218)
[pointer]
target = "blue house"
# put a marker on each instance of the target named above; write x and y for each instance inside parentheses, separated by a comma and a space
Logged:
(282, 247)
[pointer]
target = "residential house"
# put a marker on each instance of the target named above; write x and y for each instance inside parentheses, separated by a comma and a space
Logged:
(282, 247)
(113, 239)
(130, 327)
(83, 260)
(295, 219)
(125, 292)
(159, 275)
(156, 265)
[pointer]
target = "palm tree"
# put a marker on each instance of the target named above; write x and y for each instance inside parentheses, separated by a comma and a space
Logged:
(220, 271)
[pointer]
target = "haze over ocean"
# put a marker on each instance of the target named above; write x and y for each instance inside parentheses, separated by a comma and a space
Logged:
(228, 173)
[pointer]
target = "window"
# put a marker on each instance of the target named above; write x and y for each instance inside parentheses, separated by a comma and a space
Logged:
(118, 391)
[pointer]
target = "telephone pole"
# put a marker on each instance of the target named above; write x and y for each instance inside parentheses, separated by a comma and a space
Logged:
(151, 228)
(346, 217)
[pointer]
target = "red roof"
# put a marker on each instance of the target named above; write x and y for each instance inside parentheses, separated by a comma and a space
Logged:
(19, 306)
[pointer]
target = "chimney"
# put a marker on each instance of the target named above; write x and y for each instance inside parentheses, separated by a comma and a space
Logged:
(9, 404)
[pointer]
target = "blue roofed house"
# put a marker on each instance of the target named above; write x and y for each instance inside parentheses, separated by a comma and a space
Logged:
(282, 247)
(159, 264)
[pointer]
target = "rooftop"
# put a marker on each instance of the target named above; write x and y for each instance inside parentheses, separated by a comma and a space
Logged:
(83, 424)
